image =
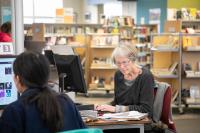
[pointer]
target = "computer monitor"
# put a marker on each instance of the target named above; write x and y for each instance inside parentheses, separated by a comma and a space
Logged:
(49, 55)
(8, 90)
(71, 77)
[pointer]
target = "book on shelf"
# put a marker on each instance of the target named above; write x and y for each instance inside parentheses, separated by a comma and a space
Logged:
(105, 40)
(192, 74)
(192, 48)
(166, 71)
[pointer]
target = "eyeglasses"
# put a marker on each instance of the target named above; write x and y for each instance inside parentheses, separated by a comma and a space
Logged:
(124, 63)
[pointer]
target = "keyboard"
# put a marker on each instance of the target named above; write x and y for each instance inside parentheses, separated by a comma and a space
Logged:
(85, 107)
(89, 113)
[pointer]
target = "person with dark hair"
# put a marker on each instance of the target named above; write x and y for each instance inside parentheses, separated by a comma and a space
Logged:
(134, 85)
(39, 109)
(5, 34)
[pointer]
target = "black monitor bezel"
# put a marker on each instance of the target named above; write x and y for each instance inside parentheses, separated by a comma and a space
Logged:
(50, 56)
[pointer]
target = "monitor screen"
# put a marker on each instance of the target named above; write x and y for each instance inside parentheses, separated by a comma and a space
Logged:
(70, 66)
(8, 90)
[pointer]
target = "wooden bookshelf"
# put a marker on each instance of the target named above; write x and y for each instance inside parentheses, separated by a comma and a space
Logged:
(100, 66)
(164, 54)
(180, 25)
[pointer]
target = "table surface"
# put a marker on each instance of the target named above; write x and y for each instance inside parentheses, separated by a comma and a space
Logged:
(102, 122)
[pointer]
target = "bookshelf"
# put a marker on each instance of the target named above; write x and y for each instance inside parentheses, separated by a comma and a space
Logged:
(100, 69)
(191, 68)
(181, 25)
(166, 60)
(42, 31)
(73, 35)
(141, 39)
(178, 63)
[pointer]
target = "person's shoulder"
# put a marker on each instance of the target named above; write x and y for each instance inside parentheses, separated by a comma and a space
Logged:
(13, 108)
(146, 72)
(65, 98)
(5, 37)
(118, 73)
(66, 102)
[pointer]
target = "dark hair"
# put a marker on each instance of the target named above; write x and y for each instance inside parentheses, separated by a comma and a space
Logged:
(33, 71)
(6, 27)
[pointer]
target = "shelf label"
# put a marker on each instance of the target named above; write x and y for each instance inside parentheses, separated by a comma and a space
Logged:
(6, 49)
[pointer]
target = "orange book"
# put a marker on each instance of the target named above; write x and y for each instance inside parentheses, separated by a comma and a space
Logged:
(60, 12)
(68, 19)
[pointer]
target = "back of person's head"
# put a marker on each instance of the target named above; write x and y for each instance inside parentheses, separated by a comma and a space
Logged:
(6, 27)
(33, 71)
(32, 68)
(125, 50)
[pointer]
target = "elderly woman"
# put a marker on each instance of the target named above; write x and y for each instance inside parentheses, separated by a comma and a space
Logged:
(133, 85)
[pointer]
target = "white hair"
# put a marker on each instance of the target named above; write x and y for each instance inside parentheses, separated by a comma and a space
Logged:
(125, 50)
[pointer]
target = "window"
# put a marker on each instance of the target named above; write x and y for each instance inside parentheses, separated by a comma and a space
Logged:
(40, 10)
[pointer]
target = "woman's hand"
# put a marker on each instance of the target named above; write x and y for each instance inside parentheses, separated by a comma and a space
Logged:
(108, 108)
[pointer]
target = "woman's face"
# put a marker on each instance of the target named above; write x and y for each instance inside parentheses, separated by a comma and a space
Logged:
(124, 64)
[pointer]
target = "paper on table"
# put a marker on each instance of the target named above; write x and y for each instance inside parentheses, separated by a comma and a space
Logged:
(131, 115)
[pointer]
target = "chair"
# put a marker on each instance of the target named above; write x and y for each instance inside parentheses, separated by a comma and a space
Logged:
(166, 110)
(86, 130)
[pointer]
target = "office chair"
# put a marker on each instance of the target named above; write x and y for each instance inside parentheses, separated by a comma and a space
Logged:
(163, 93)
(86, 130)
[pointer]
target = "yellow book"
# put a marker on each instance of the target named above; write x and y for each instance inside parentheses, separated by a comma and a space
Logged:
(193, 12)
(187, 41)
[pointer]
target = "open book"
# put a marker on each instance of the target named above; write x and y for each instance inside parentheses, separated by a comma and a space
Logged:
(130, 115)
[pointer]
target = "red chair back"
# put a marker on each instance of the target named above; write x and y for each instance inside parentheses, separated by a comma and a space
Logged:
(166, 115)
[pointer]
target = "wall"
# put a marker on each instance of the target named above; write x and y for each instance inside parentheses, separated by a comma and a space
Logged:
(183, 3)
(113, 9)
(129, 9)
(99, 1)
(97, 7)
(93, 10)
(143, 7)
(81, 7)
(77, 5)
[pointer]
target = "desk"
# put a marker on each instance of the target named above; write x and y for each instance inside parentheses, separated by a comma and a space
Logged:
(114, 124)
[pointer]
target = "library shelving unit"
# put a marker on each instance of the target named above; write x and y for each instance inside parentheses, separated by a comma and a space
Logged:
(100, 71)
(43, 31)
(176, 60)
(122, 25)
(141, 39)
(166, 60)
(73, 35)
(139, 35)
(191, 67)
(181, 25)
(125, 32)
